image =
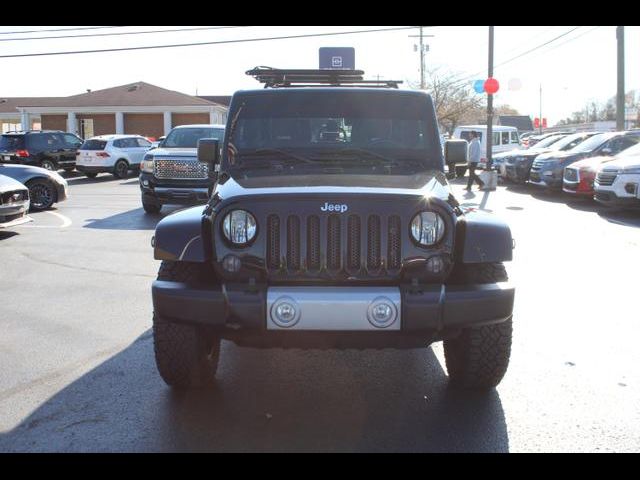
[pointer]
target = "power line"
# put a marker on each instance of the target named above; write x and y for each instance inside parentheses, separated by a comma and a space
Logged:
(531, 50)
(115, 33)
(245, 40)
(56, 30)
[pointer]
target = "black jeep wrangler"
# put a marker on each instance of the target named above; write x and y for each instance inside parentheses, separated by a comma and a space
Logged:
(331, 225)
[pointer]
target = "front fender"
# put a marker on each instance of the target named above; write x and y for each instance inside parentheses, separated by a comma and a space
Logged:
(179, 236)
(483, 238)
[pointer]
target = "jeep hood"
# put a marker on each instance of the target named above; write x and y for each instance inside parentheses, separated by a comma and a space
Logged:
(430, 183)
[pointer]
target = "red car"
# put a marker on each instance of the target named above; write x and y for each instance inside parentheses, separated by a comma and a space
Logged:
(578, 177)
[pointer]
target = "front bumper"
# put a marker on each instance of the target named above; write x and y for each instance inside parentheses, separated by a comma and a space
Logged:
(240, 312)
(178, 192)
(14, 214)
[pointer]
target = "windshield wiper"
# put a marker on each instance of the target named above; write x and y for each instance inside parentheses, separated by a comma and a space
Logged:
(271, 151)
(361, 152)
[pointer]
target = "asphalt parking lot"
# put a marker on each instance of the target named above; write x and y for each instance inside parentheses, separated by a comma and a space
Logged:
(78, 371)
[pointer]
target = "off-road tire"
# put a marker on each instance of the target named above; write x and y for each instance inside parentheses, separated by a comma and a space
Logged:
(186, 355)
(151, 207)
(478, 358)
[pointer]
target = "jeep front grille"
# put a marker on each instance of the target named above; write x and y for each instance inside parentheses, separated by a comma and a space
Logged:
(180, 169)
(335, 242)
(606, 178)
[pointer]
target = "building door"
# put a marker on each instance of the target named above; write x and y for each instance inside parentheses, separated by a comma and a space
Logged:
(86, 128)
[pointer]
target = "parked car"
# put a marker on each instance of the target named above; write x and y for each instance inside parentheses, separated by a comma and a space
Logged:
(14, 203)
(171, 174)
(534, 139)
(115, 154)
(548, 171)
(50, 149)
(156, 143)
(45, 187)
(504, 139)
(616, 182)
(524, 138)
(500, 160)
(518, 166)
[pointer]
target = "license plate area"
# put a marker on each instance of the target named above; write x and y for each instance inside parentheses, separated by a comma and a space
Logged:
(331, 309)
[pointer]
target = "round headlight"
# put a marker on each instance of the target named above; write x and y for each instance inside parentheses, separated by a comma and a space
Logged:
(427, 228)
(239, 227)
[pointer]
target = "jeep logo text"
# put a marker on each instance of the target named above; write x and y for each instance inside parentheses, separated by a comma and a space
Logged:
(334, 207)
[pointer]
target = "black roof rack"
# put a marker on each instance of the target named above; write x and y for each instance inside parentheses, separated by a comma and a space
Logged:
(277, 78)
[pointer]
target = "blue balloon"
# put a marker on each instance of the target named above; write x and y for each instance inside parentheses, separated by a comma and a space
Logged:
(478, 86)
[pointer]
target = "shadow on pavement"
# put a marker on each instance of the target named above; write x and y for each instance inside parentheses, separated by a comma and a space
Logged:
(102, 178)
(4, 234)
(267, 400)
(136, 219)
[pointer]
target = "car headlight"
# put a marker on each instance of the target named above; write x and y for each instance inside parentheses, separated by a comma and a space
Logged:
(427, 228)
(147, 164)
(239, 227)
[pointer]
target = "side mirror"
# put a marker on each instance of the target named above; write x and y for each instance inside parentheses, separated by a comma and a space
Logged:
(209, 153)
(455, 151)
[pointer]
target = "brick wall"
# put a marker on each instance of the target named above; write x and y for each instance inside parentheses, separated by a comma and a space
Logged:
(54, 122)
(145, 124)
(189, 119)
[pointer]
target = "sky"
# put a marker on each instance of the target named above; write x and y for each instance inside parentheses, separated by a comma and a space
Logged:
(577, 68)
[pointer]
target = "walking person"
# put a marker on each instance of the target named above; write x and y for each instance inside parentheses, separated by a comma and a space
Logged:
(472, 161)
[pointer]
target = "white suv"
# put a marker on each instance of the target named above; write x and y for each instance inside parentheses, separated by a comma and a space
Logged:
(116, 154)
(617, 182)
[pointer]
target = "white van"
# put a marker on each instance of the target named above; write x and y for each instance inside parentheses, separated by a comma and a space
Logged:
(504, 138)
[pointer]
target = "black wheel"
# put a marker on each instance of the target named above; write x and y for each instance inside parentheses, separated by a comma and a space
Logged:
(121, 169)
(460, 171)
(42, 194)
(49, 165)
(151, 207)
(478, 358)
(186, 355)
(91, 174)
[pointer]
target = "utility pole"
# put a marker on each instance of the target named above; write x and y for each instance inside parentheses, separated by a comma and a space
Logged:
(490, 104)
(423, 48)
(540, 117)
(620, 113)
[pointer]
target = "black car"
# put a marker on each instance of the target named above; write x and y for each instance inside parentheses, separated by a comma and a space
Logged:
(548, 169)
(45, 187)
(351, 239)
(50, 149)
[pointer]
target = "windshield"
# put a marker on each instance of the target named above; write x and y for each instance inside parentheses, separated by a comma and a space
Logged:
(11, 142)
(548, 141)
(188, 137)
(591, 144)
(337, 128)
(570, 141)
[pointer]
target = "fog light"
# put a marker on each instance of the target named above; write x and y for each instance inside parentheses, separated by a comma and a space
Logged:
(285, 312)
(435, 264)
(382, 312)
(631, 188)
(231, 263)
(145, 183)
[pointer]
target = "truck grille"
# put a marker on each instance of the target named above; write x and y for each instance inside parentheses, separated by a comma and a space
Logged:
(571, 174)
(180, 169)
(334, 243)
(606, 178)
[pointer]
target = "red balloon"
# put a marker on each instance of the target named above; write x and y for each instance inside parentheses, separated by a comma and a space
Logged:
(491, 85)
